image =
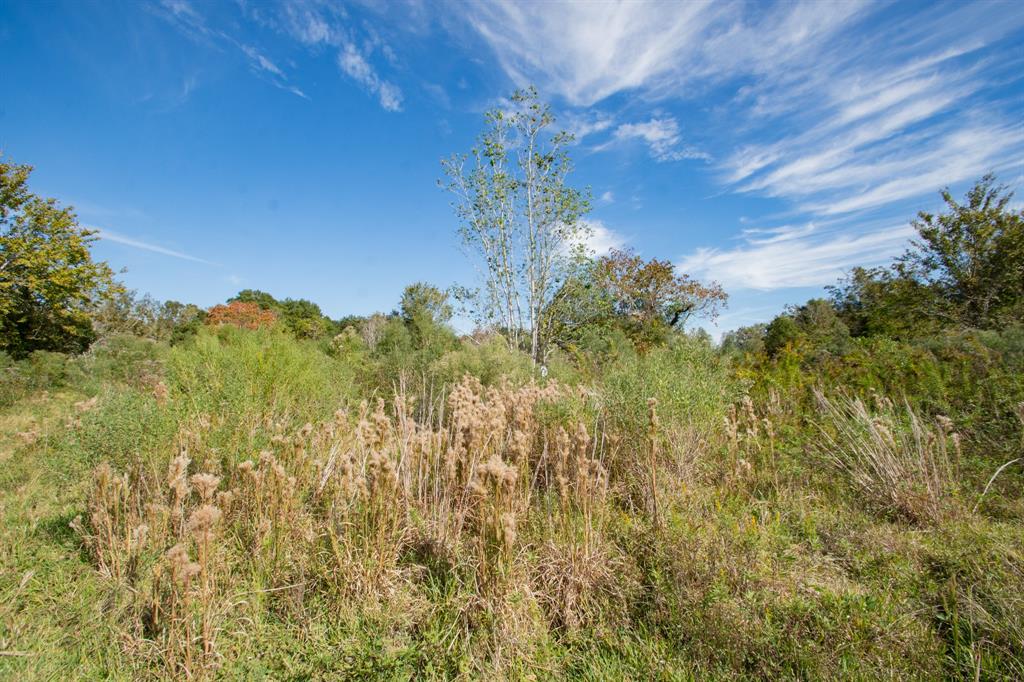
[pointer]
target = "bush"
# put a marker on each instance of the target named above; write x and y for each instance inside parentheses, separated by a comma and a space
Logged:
(488, 360)
(691, 383)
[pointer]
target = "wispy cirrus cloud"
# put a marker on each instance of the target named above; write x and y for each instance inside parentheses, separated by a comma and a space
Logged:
(354, 64)
(793, 257)
(125, 240)
(586, 52)
(884, 133)
(190, 21)
(323, 24)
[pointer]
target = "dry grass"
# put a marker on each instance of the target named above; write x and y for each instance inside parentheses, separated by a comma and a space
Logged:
(335, 507)
(900, 464)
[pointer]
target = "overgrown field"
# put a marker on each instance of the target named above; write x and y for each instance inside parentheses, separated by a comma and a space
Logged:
(245, 505)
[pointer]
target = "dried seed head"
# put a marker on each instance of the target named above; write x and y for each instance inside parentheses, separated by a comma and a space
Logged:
(224, 499)
(177, 472)
(202, 522)
(508, 529)
(183, 569)
(161, 393)
(139, 536)
(206, 485)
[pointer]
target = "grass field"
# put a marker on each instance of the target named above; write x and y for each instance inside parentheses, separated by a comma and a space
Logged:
(249, 506)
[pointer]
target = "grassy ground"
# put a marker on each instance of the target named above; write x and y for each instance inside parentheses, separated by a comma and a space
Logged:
(742, 553)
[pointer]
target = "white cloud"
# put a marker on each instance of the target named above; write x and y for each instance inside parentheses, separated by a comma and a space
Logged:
(313, 25)
(793, 257)
(608, 197)
(849, 106)
(353, 63)
(597, 239)
(662, 138)
(261, 61)
(146, 246)
(884, 115)
(601, 239)
(583, 124)
(588, 51)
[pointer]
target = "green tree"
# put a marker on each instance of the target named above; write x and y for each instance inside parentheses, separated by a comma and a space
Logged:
(814, 328)
(426, 312)
(260, 298)
(125, 312)
(880, 302)
(48, 279)
(302, 317)
(648, 300)
(745, 340)
(521, 220)
(783, 331)
(821, 326)
(965, 269)
(971, 257)
(421, 301)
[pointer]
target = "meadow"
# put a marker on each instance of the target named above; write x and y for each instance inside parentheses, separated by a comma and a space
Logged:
(249, 505)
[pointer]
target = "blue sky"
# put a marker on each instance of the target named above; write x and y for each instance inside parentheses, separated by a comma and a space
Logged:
(294, 146)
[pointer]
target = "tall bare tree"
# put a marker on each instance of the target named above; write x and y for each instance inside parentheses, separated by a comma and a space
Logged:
(521, 222)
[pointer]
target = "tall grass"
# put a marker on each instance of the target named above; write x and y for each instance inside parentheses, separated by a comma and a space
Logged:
(899, 463)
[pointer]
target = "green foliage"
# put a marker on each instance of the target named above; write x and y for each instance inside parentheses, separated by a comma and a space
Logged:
(813, 328)
(257, 373)
(125, 312)
(762, 565)
(488, 359)
(303, 318)
(966, 270)
(685, 527)
(646, 300)
(689, 380)
(421, 301)
(48, 279)
(119, 359)
(782, 332)
(749, 340)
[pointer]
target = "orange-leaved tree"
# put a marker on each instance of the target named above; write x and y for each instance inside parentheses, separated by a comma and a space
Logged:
(239, 314)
